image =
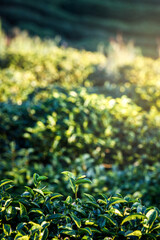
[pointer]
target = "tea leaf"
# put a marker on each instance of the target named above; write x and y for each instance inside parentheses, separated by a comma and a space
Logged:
(133, 217)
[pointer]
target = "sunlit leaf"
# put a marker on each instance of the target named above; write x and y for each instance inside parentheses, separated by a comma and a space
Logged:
(76, 220)
(133, 217)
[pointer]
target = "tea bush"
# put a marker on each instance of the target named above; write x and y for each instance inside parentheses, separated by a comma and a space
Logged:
(138, 78)
(141, 181)
(28, 63)
(41, 214)
(144, 75)
(50, 123)
(59, 125)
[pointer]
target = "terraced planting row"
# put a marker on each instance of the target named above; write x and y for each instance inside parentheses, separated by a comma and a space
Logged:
(78, 22)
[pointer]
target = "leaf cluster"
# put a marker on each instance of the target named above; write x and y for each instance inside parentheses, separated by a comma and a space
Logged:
(40, 214)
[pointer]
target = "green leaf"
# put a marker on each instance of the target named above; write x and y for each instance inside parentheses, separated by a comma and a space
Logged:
(136, 233)
(90, 222)
(116, 200)
(35, 204)
(44, 234)
(151, 216)
(72, 184)
(104, 196)
(94, 230)
(7, 229)
(20, 237)
(76, 220)
(116, 212)
(45, 224)
(10, 212)
(35, 210)
(69, 200)
(83, 176)
(24, 238)
(82, 181)
(55, 195)
(41, 178)
(54, 217)
(38, 191)
(20, 226)
(111, 220)
(102, 201)
(80, 210)
(133, 217)
(86, 230)
(157, 226)
(87, 238)
(90, 197)
(35, 233)
(69, 232)
(106, 230)
(93, 204)
(8, 202)
(101, 222)
(5, 182)
(35, 177)
(23, 211)
(30, 190)
(35, 226)
(69, 174)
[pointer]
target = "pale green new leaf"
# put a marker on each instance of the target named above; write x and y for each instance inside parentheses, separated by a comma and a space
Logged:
(41, 178)
(136, 233)
(151, 216)
(133, 217)
(38, 191)
(83, 181)
(55, 195)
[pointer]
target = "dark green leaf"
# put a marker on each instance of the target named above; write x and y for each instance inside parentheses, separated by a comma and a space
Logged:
(76, 220)
(7, 229)
(44, 234)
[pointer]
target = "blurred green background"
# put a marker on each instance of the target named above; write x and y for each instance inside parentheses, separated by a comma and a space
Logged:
(87, 23)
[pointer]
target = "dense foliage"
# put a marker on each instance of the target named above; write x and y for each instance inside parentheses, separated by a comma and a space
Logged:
(57, 124)
(137, 77)
(140, 181)
(60, 125)
(27, 64)
(53, 119)
(41, 214)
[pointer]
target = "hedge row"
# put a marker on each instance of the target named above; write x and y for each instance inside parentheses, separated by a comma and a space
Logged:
(37, 64)
(41, 214)
(135, 181)
(60, 125)
(27, 64)
(131, 75)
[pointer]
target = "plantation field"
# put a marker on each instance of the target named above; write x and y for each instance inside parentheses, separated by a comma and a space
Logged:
(85, 23)
(95, 116)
